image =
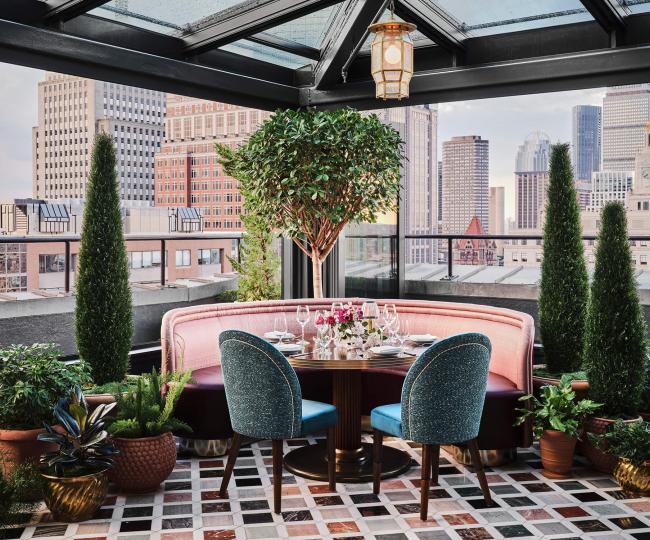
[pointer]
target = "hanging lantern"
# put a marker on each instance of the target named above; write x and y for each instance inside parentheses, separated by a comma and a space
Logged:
(391, 58)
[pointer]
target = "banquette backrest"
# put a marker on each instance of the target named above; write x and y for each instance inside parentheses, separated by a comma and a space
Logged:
(189, 336)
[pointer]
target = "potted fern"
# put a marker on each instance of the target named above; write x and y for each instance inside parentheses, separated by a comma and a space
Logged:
(142, 432)
(557, 417)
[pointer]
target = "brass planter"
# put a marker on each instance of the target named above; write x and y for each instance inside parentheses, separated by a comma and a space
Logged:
(633, 479)
(76, 498)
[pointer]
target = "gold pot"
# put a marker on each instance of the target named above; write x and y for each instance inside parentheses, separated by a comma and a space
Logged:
(634, 479)
(76, 498)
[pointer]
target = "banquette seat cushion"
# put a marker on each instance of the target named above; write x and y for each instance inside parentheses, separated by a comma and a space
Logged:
(189, 338)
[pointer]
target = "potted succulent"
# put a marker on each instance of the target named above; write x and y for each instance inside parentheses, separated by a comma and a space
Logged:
(630, 443)
(32, 378)
(557, 418)
(616, 342)
(75, 475)
(564, 286)
(142, 432)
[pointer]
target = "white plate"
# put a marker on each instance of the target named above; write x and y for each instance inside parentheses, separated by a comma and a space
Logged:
(288, 347)
(385, 350)
(422, 338)
(275, 336)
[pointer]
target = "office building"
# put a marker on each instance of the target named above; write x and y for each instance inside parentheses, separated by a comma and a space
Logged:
(586, 141)
(531, 180)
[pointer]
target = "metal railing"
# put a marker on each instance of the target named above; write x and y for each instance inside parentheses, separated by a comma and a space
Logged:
(66, 240)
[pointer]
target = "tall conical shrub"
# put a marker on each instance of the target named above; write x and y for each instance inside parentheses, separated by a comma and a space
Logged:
(615, 349)
(103, 318)
(564, 286)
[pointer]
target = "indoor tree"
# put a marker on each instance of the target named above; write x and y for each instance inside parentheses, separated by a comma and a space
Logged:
(259, 265)
(564, 288)
(103, 317)
(312, 172)
(615, 349)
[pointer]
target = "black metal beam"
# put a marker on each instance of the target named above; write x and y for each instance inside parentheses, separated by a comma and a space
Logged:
(247, 19)
(46, 49)
(64, 10)
(434, 22)
(609, 14)
(286, 45)
(547, 74)
(345, 35)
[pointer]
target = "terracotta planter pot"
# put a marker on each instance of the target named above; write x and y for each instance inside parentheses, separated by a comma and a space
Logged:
(602, 461)
(143, 464)
(633, 479)
(76, 498)
(580, 387)
(18, 445)
(557, 450)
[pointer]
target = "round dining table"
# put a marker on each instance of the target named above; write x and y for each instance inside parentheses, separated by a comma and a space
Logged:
(353, 457)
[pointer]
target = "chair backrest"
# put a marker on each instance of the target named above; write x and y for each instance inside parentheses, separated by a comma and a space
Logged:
(262, 389)
(444, 391)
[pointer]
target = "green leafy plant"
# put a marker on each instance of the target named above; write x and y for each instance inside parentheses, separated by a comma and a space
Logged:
(32, 378)
(615, 349)
(564, 287)
(311, 172)
(259, 269)
(557, 409)
(103, 318)
(148, 410)
(625, 440)
(20, 495)
(113, 388)
(83, 445)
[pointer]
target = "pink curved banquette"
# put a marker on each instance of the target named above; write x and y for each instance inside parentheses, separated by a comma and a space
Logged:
(189, 339)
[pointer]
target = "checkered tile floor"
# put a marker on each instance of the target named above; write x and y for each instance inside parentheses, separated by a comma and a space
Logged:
(527, 505)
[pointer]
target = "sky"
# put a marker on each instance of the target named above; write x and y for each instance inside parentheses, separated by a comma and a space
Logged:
(505, 122)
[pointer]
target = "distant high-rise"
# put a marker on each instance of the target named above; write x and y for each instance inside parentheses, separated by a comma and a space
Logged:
(609, 186)
(497, 210)
(188, 172)
(531, 180)
(71, 110)
(626, 110)
(465, 177)
(439, 191)
(418, 126)
(585, 150)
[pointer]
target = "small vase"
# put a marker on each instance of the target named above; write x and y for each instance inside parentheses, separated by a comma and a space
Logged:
(557, 450)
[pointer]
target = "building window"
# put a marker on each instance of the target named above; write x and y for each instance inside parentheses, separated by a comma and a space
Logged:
(644, 259)
(209, 256)
(51, 264)
(183, 257)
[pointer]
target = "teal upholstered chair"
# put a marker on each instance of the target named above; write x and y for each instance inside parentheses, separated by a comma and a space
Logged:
(442, 403)
(265, 402)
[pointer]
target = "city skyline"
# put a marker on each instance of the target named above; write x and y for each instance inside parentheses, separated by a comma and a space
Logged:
(503, 121)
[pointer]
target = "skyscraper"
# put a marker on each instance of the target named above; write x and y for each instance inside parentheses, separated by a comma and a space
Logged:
(71, 110)
(418, 126)
(187, 169)
(531, 180)
(609, 186)
(626, 110)
(585, 149)
(465, 178)
(439, 191)
(496, 212)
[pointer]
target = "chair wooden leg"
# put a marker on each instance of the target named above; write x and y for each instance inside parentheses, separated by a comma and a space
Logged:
(331, 459)
(377, 441)
(230, 465)
(425, 480)
(478, 467)
(435, 463)
(277, 475)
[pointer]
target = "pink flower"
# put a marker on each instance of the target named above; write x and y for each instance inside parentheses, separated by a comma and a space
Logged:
(320, 319)
(164, 390)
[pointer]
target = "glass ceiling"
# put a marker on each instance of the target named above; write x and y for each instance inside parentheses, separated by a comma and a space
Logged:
(474, 17)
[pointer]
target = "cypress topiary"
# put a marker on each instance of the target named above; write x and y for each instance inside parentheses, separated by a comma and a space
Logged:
(564, 286)
(615, 349)
(103, 317)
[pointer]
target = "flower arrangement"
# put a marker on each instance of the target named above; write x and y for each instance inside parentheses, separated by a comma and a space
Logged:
(350, 328)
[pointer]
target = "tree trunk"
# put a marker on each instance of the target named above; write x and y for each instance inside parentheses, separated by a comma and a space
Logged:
(317, 266)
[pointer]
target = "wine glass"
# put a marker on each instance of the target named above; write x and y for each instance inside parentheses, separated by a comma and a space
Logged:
(280, 328)
(302, 316)
(323, 336)
(381, 321)
(336, 306)
(402, 333)
(370, 311)
(390, 315)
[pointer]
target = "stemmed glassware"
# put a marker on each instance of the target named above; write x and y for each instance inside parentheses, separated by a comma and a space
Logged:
(280, 327)
(390, 315)
(381, 321)
(323, 331)
(402, 333)
(370, 311)
(336, 306)
(302, 316)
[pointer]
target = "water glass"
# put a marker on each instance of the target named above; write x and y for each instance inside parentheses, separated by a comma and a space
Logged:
(280, 327)
(323, 336)
(302, 316)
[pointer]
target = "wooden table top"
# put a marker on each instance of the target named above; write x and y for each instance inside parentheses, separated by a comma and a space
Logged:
(350, 359)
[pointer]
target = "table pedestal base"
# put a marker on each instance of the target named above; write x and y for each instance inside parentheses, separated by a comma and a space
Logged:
(311, 462)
